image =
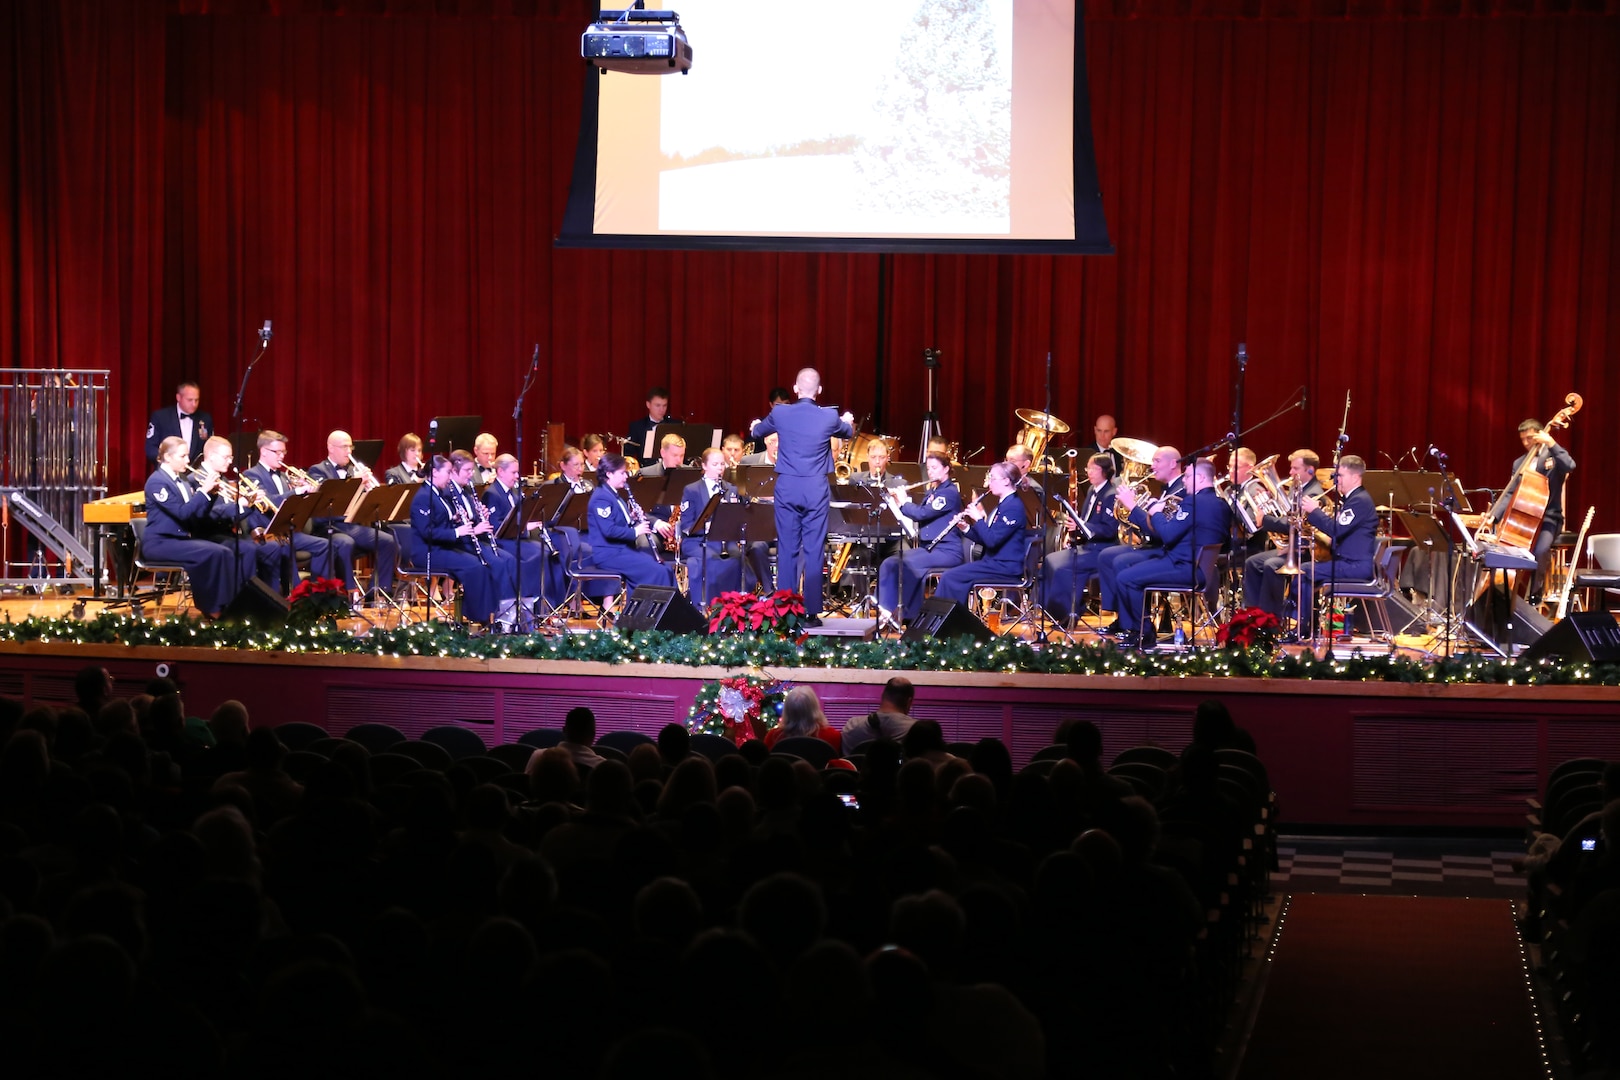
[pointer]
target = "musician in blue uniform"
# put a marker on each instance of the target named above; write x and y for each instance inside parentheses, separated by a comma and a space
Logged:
(1554, 463)
(411, 468)
(710, 570)
(657, 413)
(349, 540)
(1115, 560)
(616, 527)
(177, 510)
(181, 420)
(1352, 529)
(1263, 586)
(230, 524)
(1202, 518)
(900, 577)
(271, 476)
(804, 459)
(448, 537)
(540, 570)
(1004, 534)
(1065, 573)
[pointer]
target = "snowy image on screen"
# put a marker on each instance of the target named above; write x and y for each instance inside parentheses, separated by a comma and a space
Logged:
(863, 118)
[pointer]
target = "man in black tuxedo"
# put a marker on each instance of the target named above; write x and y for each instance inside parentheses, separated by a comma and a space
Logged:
(182, 420)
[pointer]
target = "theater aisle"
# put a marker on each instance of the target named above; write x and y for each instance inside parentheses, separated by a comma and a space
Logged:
(1394, 987)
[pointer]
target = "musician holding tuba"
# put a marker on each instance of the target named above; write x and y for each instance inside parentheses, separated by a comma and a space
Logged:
(1263, 586)
(900, 577)
(1554, 463)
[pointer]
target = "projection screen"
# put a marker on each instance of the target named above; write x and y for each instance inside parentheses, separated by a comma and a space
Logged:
(848, 125)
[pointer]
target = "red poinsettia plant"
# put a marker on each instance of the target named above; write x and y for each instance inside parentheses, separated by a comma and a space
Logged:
(317, 600)
(780, 612)
(1250, 628)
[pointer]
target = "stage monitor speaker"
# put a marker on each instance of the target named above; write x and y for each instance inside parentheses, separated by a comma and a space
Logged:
(659, 607)
(1505, 628)
(259, 603)
(1592, 636)
(942, 619)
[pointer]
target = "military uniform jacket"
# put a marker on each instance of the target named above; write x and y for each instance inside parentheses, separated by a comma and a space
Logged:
(934, 513)
(1353, 529)
(1097, 511)
(609, 518)
(1203, 519)
(803, 430)
(175, 509)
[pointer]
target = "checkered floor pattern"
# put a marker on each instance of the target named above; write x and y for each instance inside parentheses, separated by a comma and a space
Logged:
(1414, 867)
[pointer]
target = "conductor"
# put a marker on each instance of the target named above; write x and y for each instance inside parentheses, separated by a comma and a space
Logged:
(804, 458)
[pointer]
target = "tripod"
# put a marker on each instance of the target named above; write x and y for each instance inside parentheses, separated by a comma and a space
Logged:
(930, 425)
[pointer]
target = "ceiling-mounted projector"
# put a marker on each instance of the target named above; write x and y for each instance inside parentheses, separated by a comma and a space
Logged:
(637, 41)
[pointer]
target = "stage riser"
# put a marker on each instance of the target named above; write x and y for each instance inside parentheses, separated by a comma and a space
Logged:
(1338, 755)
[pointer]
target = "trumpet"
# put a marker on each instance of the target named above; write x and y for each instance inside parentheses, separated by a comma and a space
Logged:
(368, 479)
(247, 488)
(299, 477)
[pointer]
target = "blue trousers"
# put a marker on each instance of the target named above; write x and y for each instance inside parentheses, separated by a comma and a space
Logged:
(1110, 564)
(900, 577)
(801, 536)
(1155, 571)
(709, 571)
(350, 540)
(1065, 574)
(215, 571)
(540, 570)
(956, 584)
(635, 566)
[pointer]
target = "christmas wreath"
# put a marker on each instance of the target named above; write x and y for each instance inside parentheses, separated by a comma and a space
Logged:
(740, 708)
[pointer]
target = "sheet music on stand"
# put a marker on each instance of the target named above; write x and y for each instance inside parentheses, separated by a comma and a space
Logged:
(334, 498)
(700, 524)
(696, 437)
(291, 516)
(383, 504)
(753, 522)
(861, 512)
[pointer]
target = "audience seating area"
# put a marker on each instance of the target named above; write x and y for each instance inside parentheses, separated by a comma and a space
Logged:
(236, 896)
(1573, 906)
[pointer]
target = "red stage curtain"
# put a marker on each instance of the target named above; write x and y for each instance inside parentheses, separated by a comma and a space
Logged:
(1420, 210)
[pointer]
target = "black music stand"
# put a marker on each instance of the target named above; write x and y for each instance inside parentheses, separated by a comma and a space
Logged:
(447, 433)
(745, 523)
(756, 481)
(367, 451)
(676, 481)
(696, 436)
(334, 497)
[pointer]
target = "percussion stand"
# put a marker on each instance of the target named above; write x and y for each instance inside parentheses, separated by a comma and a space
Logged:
(930, 427)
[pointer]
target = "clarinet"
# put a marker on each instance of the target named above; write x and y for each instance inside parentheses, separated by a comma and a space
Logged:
(955, 521)
(460, 517)
(638, 516)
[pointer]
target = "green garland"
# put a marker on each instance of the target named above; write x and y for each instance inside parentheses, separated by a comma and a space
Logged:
(770, 651)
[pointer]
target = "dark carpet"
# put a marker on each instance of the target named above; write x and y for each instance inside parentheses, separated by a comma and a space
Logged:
(1394, 987)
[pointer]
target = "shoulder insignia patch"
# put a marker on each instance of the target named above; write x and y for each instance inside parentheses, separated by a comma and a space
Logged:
(603, 511)
(162, 494)
(1347, 516)
(937, 502)
(1181, 515)
(151, 429)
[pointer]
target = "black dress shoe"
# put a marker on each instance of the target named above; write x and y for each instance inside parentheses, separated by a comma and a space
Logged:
(1149, 639)
(1112, 628)
(812, 622)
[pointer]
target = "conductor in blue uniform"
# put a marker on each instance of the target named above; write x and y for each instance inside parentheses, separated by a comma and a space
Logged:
(1201, 518)
(900, 577)
(804, 458)
(1003, 533)
(616, 530)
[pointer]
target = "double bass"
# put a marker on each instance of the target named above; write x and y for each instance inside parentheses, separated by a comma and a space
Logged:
(1522, 519)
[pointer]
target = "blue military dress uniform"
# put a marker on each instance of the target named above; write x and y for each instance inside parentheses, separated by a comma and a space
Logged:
(1263, 587)
(1005, 536)
(538, 564)
(803, 460)
(435, 547)
(1115, 560)
(165, 424)
(613, 542)
(347, 539)
(1353, 530)
(900, 577)
(709, 570)
(1199, 521)
(276, 489)
(176, 512)
(1065, 573)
